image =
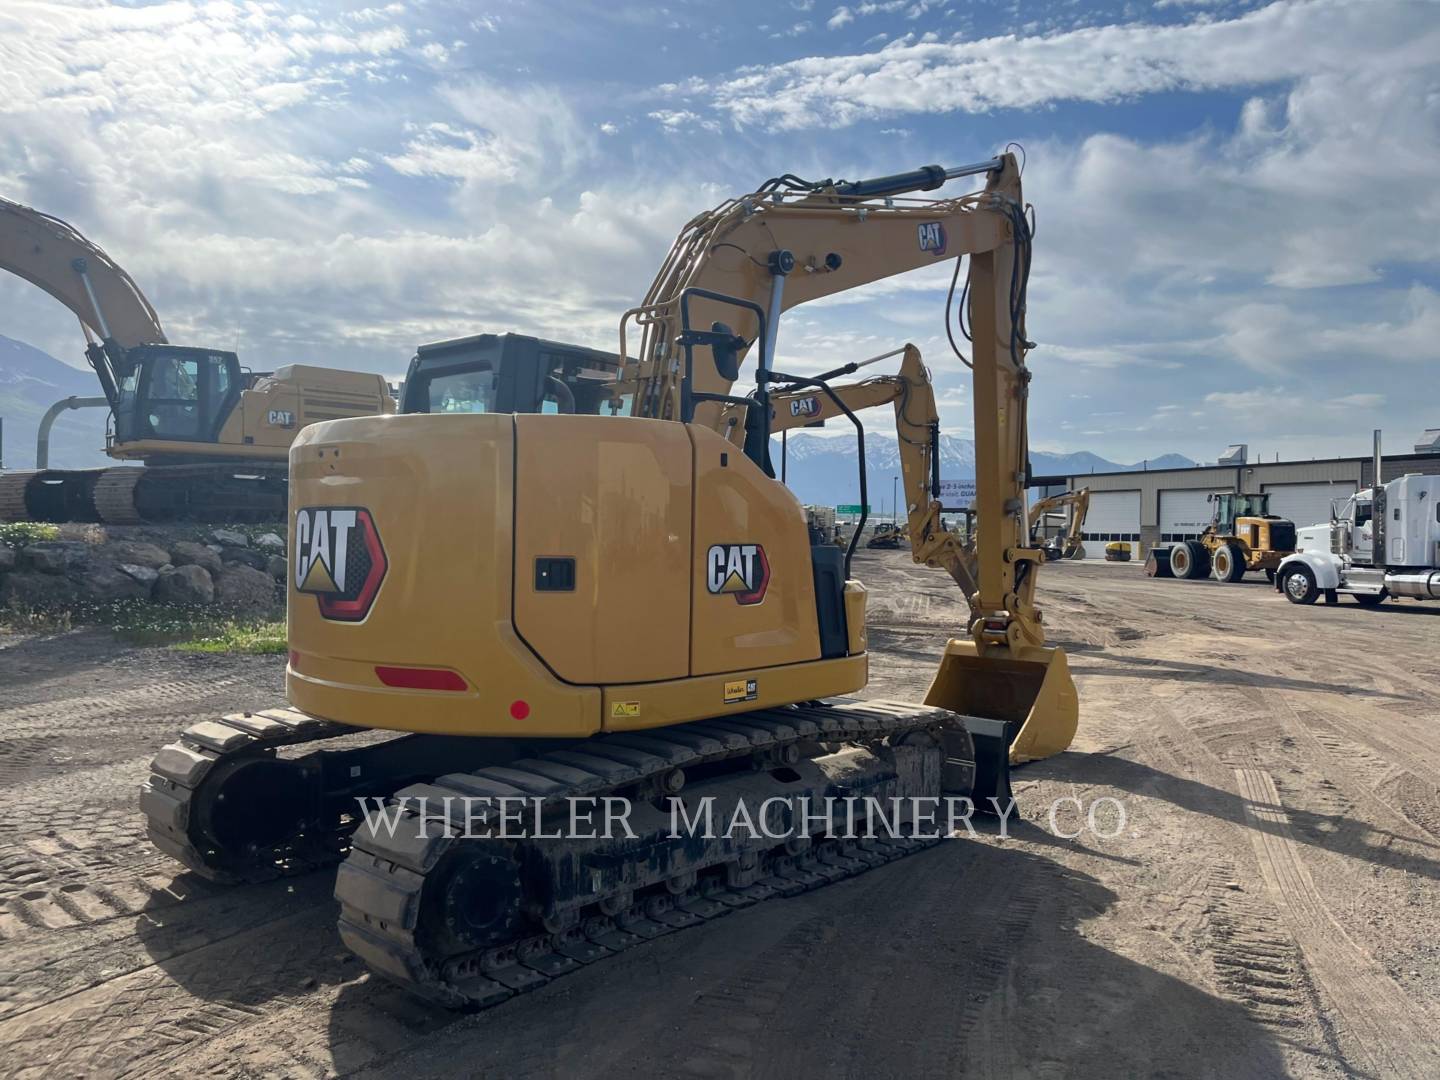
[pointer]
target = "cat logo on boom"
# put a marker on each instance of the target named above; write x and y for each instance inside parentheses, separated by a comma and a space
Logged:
(740, 570)
(806, 406)
(339, 559)
(932, 237)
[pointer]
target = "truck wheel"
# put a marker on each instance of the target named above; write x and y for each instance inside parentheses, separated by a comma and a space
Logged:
(1300, 587)
(1229, 563)
(1370, 599)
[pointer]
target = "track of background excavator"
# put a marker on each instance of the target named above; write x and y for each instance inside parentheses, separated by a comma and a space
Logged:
(132, 495)
(380, 884)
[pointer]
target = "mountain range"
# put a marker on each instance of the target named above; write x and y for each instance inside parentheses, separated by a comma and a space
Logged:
(820, 468)
(30, 382)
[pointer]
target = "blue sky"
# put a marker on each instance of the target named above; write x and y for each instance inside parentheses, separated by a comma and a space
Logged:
(1238, 202)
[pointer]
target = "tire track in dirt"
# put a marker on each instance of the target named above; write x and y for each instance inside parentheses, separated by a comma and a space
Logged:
(1381, 1015)
(225, 967)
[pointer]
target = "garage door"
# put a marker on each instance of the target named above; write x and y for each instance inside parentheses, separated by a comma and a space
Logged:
(1113, 515)
(1306, 504)
(1184, 513)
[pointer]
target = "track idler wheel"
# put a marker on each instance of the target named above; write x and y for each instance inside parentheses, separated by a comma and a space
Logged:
(478, 903)
(257, 803)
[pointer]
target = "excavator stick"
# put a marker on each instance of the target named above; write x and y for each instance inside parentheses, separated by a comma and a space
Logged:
(1027, 689)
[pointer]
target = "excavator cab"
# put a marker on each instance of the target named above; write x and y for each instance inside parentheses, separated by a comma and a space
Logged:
(508, 373)
(172, 392)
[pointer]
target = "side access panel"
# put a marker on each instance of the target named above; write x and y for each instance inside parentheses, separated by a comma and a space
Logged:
(602, 546)
(753, 586)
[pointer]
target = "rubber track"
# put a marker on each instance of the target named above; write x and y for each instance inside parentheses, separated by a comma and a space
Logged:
(12, 495)
(179, 769)
(380, 884)
(114, 496)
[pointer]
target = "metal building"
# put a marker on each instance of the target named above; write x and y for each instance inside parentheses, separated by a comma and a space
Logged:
(1148, 507)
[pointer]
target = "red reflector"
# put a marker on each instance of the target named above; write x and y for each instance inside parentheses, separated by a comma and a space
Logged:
(420, 678)
(519, 709)
(294, 660)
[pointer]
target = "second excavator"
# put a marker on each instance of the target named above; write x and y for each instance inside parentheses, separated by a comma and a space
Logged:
(616, 600)
(214, 439)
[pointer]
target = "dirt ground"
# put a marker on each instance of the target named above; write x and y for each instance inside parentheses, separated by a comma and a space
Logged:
(1269, 909)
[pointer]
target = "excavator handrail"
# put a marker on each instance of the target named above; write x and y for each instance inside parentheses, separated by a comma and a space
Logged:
(800, 380)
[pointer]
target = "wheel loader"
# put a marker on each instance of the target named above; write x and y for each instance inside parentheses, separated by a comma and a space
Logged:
(213, 438)
(616, 600)
(1242, 536)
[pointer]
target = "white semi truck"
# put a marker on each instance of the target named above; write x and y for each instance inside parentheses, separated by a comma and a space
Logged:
(1381, 542)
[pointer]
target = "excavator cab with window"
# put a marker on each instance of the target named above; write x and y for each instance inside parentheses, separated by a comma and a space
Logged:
(508, 373)
(172, 392)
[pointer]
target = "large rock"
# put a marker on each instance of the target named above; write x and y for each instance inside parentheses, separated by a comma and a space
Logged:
(270, 541)
(135, 553)
(256, 560)
(277, 567)
(188, 584)
(8, 558)
(105, 582)
(56, 556)
(246, 589)
(230, 538)
(188, 553)
(29, 589)
(145, 575)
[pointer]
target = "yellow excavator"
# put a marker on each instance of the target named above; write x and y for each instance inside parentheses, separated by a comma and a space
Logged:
(619, 602)
(213, 437)
(1065, 545)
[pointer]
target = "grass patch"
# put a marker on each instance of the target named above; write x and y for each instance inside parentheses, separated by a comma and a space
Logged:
(199, 630)
(137, 622)
(17, 534)
(260, 638)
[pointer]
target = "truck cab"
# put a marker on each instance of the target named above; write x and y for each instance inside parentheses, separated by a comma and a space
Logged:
(1380, 542)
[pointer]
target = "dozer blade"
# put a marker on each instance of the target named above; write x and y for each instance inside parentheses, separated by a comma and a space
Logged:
(1030, 689)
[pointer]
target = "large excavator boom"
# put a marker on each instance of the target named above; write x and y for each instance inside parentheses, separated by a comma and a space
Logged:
(113, 312)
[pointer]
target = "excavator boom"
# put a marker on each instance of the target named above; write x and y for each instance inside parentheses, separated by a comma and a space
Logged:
(113, 312)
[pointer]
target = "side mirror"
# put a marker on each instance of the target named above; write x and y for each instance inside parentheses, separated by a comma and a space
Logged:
(727, 352)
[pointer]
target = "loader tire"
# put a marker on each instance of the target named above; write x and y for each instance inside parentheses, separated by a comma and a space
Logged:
(1189, 560)
(1157, 563)
(1299, 585)
(1229, 563)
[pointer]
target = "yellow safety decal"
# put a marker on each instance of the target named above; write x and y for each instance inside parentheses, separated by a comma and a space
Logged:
(624, 710)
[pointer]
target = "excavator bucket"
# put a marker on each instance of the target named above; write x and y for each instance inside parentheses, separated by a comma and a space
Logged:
(1028, 689)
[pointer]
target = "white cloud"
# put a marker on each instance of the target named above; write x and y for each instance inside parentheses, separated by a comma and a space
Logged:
(840, 18)
(1287, 40)
(1359, 401)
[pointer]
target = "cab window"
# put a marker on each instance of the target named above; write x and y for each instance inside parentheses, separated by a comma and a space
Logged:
(174, 397)
(462, 392)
